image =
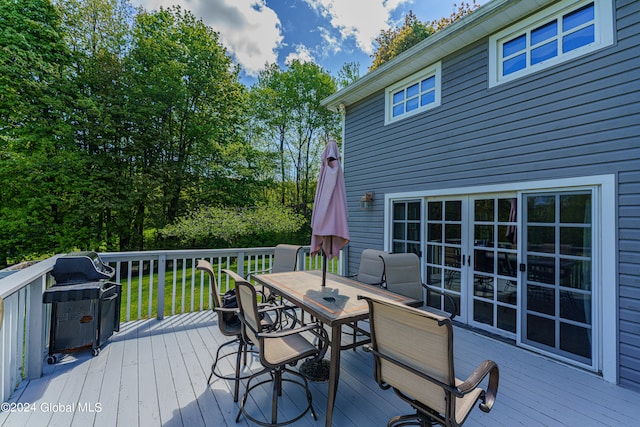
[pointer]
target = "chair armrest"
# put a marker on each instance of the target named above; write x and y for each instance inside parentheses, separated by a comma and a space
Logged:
(265, 306)
(486, 367)
(251, 273)
(227, 310)
(454, 306)
(286, 332)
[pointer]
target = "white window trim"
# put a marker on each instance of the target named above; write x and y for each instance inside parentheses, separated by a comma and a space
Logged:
(605, 197)
(604, 36)
(433, 70)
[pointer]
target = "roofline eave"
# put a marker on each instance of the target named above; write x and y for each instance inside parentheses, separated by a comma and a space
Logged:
(483, 22)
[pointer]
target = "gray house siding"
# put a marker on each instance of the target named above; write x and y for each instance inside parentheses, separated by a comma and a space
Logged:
(629, 276)
(579, 118)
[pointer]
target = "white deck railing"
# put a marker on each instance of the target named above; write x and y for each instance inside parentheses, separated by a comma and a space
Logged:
(154, 284)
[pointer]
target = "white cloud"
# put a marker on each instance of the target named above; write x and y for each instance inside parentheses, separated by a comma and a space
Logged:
(248, 29)
(360, 19)
(301, 53)
(330, 45)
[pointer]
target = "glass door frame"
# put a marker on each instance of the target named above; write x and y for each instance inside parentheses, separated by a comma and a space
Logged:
(452, 263)
(605, 202)
(489, 281)
(445, 263)
(596, 291)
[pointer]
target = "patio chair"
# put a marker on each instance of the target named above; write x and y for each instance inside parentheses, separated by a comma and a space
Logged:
(285, 258)
(371, 267)
(413, 355)
(402, 276)
(370, 272)
(230, 326)
(277, 349)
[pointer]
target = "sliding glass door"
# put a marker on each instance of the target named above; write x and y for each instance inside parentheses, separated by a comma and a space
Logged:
(493, 276)
(472, 255)
(537, 290)
(557, 314)
(534, 262)
(445, 260)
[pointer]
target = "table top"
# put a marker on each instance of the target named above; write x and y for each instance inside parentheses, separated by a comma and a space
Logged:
(335, 303)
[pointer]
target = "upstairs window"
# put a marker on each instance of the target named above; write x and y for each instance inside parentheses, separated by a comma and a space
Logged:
(565, 31)
(413, 95)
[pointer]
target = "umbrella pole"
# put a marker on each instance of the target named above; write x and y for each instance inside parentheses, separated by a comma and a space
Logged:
(324, 260)
(324, 268)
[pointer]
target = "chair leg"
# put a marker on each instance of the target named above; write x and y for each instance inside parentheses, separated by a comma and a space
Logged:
(215, 361)
(355, 334)
(408, 420)
(276, 377)
(241, 357)
(422, 420)
(242, 351)
(244, 348)
(276, 392)
(309, 398)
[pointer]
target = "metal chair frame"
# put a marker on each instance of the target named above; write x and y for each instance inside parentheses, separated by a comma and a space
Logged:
(291, 348)
(413, 355)
(229, 329)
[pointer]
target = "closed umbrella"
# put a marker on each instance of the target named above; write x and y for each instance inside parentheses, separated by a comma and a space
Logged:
(330, 232)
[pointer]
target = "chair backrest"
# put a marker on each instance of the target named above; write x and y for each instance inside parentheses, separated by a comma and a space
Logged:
(402, 274)
(204, 265)
(285, 258)
(421, 340)
(248, 304)
(228, 323)
(371, 267)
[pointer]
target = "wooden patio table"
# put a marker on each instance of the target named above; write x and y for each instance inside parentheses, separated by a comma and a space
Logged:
(334, 304)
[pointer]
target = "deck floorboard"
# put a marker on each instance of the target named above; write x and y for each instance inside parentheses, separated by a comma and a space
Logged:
(154, 373)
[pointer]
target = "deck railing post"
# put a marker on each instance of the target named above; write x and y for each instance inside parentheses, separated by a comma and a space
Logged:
(36, 333)
(162, 268)
(240, 263)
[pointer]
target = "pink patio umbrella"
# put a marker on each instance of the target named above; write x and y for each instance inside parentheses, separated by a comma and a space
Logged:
(330, 231)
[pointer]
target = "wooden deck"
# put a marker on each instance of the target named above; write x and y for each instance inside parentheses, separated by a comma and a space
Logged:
(153, 373)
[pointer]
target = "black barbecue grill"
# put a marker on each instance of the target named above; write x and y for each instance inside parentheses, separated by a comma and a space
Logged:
(85, 305)
(81, 267)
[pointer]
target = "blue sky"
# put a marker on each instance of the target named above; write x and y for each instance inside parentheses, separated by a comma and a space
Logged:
(327, 32)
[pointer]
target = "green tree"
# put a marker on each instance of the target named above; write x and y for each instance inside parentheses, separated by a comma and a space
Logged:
(348, 73)
(38, 163)
(461, 11)
(271, 111)
(286, 107)
(392, 42)
(98, 32)
(93, 26)
(185, 108)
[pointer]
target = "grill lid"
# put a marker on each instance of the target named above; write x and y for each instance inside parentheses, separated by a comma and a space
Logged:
(81, 267)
